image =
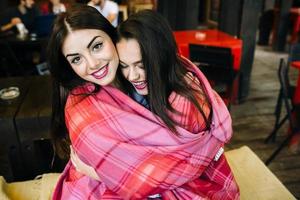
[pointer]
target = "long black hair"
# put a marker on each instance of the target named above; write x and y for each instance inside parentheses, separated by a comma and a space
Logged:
(78, 16)
(165, 70)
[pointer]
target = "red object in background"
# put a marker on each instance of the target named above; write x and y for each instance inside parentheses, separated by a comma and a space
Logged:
(295, 18)
(214, 38)
(211, 38)
(296, 98)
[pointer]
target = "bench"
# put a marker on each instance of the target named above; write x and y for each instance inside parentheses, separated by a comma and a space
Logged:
(255, 180)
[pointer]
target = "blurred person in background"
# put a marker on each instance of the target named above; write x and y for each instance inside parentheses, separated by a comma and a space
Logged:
(53, 7)
(24, 13)
(108, 9)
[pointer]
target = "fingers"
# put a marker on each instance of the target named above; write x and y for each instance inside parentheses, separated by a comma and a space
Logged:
(82, 167)
(73, 158)
(15, 20)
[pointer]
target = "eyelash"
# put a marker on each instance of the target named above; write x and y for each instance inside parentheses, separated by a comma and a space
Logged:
(73, 61)
(97, 46)
(141, 66)
(123, 66)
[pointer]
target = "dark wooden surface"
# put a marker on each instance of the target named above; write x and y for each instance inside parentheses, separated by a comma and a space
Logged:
(254, 119)
(10, 153)
(33, 126)
(25, 149)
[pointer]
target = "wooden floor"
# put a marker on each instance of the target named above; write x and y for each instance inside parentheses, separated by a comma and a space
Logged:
(253, 120)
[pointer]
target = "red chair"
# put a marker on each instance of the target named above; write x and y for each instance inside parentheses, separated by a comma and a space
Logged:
(216, 63)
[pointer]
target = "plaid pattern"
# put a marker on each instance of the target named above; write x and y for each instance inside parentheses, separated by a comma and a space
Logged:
(136, 156)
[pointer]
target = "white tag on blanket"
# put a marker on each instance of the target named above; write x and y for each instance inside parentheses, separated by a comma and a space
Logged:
(219, 153)
(154, 196)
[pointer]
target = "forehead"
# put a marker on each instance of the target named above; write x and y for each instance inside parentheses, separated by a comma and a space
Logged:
(129, 50)
(29, 1)
(78, 39)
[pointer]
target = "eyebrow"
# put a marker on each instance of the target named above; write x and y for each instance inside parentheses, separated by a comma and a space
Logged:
(72, 54)
(137, 62)
(91, 42)
(88, 46)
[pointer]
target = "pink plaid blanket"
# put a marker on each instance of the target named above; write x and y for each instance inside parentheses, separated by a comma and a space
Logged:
(136, 156)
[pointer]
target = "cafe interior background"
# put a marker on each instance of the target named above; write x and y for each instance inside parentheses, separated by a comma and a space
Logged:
(240, 45)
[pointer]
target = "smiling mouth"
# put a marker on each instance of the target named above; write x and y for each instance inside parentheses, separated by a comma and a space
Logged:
(100, 73)
(140, 85)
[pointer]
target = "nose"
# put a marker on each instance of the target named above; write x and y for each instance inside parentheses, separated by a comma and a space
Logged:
(133, 74)
(92, 62)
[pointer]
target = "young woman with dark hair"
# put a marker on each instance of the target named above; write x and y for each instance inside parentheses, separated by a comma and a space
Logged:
(182, 101)
(166, 71)
(64, 67)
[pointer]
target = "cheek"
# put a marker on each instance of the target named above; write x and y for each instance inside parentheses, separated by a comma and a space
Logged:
(112, 52)
(125, 73)
(143, 73)
(75, 69)
(78, 69)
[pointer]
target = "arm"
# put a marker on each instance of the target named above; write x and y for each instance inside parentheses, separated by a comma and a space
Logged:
(113, 14)
(132, 166)
(111, 17)
(14, 21)
(82, 167)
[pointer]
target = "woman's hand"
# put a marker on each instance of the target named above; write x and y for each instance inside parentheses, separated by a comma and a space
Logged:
(82, 167)
(15, 21)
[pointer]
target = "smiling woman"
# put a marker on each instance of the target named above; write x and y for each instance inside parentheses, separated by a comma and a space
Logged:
(80, 50)
(95, 58)
(132, 65)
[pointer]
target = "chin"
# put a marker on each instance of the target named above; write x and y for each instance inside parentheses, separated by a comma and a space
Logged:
(142, 92)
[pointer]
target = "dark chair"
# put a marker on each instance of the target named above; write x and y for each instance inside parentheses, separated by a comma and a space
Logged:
(285, 98)
(216, 63)
(14, 61)
(43, 25)
(294, 55)
(279, 120)
(9, 63)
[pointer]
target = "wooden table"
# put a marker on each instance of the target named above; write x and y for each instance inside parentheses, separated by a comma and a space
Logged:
(10, 153)
(210, 38)
(33, 124)
(25, 126)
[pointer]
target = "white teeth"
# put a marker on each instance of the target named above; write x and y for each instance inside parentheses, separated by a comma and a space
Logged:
(100, 72)
(140, 83)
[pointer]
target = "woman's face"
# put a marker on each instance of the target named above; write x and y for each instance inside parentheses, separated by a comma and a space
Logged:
(55, 1)
(131, 64)
(92, 55)
(28, 3)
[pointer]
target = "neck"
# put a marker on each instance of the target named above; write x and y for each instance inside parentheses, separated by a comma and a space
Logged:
(116, 83)
(102, 4)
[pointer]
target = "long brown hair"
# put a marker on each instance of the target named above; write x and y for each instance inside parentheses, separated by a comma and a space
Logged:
(78, 16)
(165, 70)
